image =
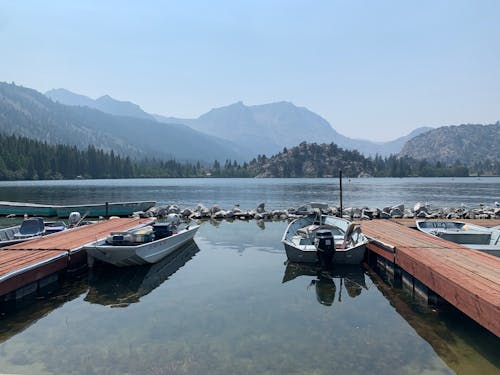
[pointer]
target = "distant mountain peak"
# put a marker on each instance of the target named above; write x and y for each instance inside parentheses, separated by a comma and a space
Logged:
(104, 103)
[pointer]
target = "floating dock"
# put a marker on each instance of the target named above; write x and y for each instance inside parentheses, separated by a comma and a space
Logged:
(29, 266)
(466, 278)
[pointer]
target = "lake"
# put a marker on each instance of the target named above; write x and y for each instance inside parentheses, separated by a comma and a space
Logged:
(248, 193)
(228, 303)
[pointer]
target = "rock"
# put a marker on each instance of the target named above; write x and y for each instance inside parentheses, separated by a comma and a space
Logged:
(219, 215)
(385, 215)
(367, 213)
(214, 209)
(260, 208)
(419, 207)
(400, 207)
(396, 212)
(173, 209)
(229, 215)
(422, 215)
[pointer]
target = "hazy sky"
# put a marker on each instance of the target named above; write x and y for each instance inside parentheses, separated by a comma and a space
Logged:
(373, 69)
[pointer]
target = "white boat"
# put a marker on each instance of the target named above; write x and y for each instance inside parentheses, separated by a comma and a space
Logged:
(142, 245)
(473, 236)
(325, 239)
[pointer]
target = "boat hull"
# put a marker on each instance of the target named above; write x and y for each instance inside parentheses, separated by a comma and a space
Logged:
(354, 255)
(111, 209)
(147, 253)
(30, 209)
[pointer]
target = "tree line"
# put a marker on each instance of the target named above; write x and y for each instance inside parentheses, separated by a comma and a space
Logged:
(26, 159)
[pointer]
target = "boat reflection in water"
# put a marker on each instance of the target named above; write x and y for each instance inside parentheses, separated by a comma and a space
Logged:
(114, 287)
(349, 277)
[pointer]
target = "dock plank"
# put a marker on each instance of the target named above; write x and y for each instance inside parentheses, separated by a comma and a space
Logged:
(74, 238)
(466, 278)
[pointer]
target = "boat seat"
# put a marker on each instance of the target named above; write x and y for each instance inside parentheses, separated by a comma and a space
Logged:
(305, 231)
(32, 227)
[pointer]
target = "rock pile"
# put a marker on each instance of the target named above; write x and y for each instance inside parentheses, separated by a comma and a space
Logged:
(419, 211)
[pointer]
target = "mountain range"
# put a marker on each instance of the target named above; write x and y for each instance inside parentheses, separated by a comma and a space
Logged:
(466, 144)
(259, 129)
(234, 132)
(28, 113)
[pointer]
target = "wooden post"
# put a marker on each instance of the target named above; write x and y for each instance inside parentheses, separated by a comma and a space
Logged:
(107, 210)
(340, 191)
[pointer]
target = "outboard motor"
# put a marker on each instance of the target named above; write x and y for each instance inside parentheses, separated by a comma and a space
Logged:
(74, 218)
(173, 219)
(325, 247)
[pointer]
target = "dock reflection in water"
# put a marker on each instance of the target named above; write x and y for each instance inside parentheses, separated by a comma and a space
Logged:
(350, 278)
(119, 287)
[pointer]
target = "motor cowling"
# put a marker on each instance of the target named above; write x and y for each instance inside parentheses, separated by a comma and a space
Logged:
(325, 246)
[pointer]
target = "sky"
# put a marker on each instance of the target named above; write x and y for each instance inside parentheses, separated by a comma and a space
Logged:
(373, 69)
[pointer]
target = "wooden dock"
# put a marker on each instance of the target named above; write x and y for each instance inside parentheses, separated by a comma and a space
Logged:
(468, 279)
(25, 266)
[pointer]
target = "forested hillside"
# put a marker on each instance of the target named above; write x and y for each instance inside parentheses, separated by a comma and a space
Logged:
(30, 114)
(325, 160)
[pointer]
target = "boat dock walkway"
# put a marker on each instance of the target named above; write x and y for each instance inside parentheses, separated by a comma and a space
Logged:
(27, 266)
(467, 279)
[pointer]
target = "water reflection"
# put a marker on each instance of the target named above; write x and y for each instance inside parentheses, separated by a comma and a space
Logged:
(18, 316)
(119, 287)
(351, 279)
(461, 343)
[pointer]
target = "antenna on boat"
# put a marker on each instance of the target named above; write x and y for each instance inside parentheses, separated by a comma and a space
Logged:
(340, 191)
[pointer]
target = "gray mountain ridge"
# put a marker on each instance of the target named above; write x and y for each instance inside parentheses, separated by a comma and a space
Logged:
(104, 103)
(253, 130)
(270, 127)
(467, 144)
(26, 112)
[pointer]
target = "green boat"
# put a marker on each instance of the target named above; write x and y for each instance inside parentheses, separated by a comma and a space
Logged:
(105, 209)
(90, 210)
(30, 209)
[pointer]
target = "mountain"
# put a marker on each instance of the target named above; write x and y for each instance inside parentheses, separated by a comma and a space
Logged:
(312, 160)
(105, 103)
(28, 113)
(260, 129)
(468, 144)
(266, 129)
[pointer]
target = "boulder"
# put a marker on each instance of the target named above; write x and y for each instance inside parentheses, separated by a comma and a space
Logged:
(215, 209)
(396, 212)
(260, 208)
(420, 207)
(400, 207)
(385, 215)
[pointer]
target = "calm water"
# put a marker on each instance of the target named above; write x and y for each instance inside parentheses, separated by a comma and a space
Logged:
(275, 193)
(229, 304)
